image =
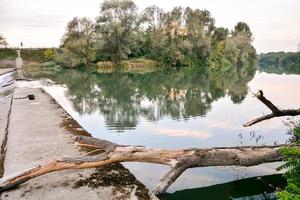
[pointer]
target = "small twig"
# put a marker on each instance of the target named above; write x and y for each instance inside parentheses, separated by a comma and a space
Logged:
(90, 152)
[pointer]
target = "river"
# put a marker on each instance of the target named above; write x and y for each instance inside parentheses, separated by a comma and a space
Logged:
(179, 109)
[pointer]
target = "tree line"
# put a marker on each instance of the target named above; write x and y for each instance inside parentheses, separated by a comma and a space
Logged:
(179, 37)
(280, 62)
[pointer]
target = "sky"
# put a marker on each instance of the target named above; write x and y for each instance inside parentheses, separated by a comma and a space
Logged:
(38, 23)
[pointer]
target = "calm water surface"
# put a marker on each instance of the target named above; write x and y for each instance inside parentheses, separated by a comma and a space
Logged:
(177, 109)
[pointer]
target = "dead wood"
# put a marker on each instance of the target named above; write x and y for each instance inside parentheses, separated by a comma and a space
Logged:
(178, 160)
(276, 112)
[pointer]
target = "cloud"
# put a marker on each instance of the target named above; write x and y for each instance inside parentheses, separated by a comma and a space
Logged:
(280, 24)
(183, 133)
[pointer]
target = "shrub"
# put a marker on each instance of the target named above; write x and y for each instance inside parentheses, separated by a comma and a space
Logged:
(49, 54)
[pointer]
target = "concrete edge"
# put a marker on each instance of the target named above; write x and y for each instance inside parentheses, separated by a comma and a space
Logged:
(70, 124)
(13, 69)
(3, 140)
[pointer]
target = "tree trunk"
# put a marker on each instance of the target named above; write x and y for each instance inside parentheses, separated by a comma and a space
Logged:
(179, 160)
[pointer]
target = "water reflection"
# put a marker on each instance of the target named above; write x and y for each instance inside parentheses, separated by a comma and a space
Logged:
(238, 190)
(177, 109)
(123, 99)
(278, 69)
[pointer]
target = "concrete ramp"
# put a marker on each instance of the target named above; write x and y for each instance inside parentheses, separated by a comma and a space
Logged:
(40, 130)
(6, 70)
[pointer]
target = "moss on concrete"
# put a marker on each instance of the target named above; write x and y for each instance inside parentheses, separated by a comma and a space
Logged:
(115, 175)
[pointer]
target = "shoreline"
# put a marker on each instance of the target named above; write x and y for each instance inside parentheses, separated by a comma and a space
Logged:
(29, 143)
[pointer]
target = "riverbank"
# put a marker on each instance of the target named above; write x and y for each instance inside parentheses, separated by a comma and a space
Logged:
(37, 57)
(39, 130)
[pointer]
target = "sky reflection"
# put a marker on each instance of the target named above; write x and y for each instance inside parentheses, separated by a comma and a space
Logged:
(221, 126)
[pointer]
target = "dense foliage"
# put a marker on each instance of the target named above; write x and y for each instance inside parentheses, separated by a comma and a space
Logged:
(77, 43)
(180, 37)
(292, 157)
(280, 62)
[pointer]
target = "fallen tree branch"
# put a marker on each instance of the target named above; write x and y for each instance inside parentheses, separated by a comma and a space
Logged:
(276, 112)
(179, 160)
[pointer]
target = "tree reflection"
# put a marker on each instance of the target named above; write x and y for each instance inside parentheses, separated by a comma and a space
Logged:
(124, 98)
(280, 62)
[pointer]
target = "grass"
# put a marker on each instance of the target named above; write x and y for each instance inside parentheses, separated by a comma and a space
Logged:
(8, 54)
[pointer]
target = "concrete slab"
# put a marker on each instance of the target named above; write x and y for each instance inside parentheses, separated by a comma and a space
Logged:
(40, 130)
(4, 108)
(6, 70)
(5, 102)
(7, 63)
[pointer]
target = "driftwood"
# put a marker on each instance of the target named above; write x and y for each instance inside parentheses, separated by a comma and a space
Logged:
(178, 160)
(276, 112)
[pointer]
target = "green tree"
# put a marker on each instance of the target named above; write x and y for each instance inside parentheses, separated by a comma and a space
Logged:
(179, 37)
(3, 41)
(242, 38)
(242, 28)
(152, 17)
(219, 34)
(78, 43)
(116, 27)
(199, 25)
(154, 37)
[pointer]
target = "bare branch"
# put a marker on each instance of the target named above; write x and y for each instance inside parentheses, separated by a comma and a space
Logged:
(171, 176)
(275, 111)
(260, 96)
